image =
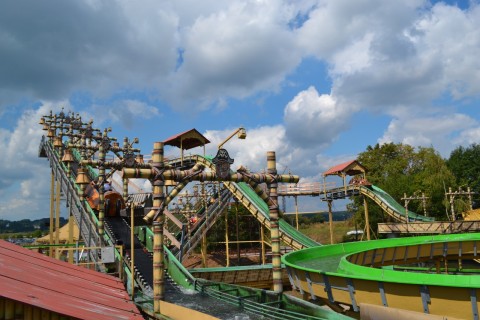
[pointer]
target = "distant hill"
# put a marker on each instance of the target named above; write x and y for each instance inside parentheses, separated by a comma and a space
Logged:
(27, 225)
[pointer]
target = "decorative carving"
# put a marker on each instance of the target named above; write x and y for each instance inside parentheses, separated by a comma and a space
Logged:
(129, 159)
(222, 162)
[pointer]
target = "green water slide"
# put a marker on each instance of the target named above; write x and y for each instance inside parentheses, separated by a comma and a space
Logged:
(391, 206)
(258, 208)
(285, 228)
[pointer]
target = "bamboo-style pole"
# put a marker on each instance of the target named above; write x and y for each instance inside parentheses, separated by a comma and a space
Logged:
(158, 254)
(330, 220)
(157, 266)
(132, 249)
(367, 222)
(101, 188)
(274, 228)
(125, 189)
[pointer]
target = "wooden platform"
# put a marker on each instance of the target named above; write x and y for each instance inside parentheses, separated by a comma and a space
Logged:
(436, 227)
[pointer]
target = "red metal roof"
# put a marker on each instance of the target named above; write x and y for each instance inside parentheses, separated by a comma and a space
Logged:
(351, 167)
(187, 140)
(34, 279)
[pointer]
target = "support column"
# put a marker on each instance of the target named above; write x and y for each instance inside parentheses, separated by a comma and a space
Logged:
(296, 211)
(52, 208)
(57, 217)
(157, 267)
(203, 250)
(101, 190)
(238, 237)
(262, 236)
(330, 220)
(158, 253)
(367, 222)
(227, 252)
(70, 238)
(125, 189)
(274, 228)
(132, 249)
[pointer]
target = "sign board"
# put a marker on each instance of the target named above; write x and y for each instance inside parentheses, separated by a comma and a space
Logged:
(108, 254)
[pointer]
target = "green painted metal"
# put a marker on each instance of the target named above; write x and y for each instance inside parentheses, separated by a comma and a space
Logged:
(234, 268)
(285, 227)
(177, 271)
(398, 207)
(267, 303)
(332, 260)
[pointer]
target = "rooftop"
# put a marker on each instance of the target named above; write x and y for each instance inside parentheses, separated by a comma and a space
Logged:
(37, 280)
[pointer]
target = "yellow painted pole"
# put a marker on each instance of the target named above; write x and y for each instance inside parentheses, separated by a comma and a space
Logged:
(274, 227)
(52, 208)
(57, 218)
(227, 253)
(367, 222)
(132, 250)
(330, 220)
(296, 210)
(70, 238)
(203, 246)
(204, 251)
(262, 235)
(406, 209)
(238, 234)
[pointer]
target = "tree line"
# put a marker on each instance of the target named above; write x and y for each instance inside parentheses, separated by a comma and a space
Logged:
(401, 169)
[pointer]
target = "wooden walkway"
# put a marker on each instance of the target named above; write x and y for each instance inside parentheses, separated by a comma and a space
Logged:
(436, 227)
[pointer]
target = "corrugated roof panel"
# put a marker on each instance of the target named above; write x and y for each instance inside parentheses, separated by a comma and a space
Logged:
(37, 280)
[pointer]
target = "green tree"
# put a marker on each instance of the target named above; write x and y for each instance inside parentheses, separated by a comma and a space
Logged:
(465, 165)
(401, 169)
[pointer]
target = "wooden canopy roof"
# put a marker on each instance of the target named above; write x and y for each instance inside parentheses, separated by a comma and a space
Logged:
(349, 168)
(187, 140)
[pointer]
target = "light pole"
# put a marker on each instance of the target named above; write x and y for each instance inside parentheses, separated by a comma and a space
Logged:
(242, 134)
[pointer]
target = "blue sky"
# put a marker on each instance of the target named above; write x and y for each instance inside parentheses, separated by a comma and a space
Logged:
(316, 81)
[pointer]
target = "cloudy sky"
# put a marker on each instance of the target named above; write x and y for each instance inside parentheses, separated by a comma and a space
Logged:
(317, 81)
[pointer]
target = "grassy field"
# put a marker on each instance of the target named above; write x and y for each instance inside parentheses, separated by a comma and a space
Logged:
(320, 231)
